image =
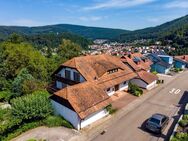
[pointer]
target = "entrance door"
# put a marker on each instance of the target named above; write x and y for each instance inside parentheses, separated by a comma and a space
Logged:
(116, 87)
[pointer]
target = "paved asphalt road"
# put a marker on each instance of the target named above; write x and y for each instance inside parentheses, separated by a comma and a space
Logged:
(130, 126)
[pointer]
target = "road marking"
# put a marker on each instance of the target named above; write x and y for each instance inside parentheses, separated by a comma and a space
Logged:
(177, 91)
(174, 91)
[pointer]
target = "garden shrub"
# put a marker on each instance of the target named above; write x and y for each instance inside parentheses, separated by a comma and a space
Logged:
(185, 117)
(5, 96)
(135, 90)
(53, 121)
(180, 137)
(35, 106)
(110, 109)
(183, 123)
(154, 72)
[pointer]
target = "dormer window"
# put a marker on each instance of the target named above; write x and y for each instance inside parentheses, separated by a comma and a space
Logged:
(112, 71)
(67, 74)
(76, 77)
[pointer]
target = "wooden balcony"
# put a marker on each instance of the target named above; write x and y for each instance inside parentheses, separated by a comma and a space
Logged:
(52, 88)
(65, 81)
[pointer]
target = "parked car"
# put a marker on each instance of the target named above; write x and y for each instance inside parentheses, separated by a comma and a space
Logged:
(157, 123)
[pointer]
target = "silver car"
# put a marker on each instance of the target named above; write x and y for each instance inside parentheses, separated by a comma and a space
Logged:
(157, 123)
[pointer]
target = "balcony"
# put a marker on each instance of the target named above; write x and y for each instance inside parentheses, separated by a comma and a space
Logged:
(65, 81)
(52, 88)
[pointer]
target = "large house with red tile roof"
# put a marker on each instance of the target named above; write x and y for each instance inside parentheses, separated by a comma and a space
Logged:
(83, 85)
(141, 65)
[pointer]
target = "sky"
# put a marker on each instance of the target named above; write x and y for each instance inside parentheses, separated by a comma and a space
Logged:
(123, 14)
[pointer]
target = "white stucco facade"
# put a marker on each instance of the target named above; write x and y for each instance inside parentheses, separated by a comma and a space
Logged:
(122, 86)
(94, 117)
(151, 85)
(73, 117)
(62, 73)
(67, 113)
(61, 85)
(110, 91)
(143, 84)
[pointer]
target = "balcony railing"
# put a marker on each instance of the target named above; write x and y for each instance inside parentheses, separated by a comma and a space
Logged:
(66, 81)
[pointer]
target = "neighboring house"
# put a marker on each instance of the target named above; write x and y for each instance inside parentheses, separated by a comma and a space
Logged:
(83, 85)
(161, 63)
(141, 65)
(181, 61)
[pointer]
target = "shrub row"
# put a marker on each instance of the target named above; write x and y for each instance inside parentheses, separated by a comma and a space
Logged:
(180, 137)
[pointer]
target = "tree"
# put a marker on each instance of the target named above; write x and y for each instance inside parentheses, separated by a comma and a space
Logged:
(29, 86)
(23, 55)
(15, 38)
(67, 50)
(23, 75)
(32, 107)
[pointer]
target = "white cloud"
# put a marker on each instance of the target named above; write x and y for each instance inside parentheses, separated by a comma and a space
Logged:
(117, 4)
(92, 18)
(154, 20)
(26, 22)
(177, 4)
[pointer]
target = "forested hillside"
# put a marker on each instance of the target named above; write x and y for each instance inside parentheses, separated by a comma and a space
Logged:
(174, 33)
(88, 32)
(178, 28)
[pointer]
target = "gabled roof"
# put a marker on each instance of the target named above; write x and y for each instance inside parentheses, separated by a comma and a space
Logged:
(94, 67)
(147, 76)
(157, 60)
(182, 58)
(85, 98)
(141, 64)
(130, 62)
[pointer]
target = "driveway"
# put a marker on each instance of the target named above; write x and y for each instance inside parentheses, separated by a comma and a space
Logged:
(49, 134)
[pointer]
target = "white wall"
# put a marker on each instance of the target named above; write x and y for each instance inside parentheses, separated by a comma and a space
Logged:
(143, 84)
(68, 114)
(73, 117)
(111, 91)
(139, 83)
(152, 85)
(62, 72)
(94, 117)
(123, 86)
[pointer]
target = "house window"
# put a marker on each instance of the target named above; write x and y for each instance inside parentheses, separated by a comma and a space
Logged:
(108, 90)
(124, 83)
(76, 77)
(67, 74)
(112, 71)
